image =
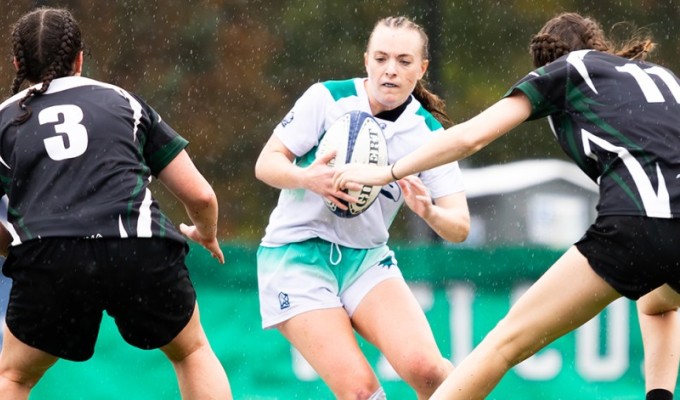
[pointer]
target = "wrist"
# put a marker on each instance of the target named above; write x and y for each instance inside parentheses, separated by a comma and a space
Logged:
(394, 176)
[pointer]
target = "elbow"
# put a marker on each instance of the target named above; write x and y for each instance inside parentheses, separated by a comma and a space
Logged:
(204, 199)
(464, 232)
(259, 170)
(459, 232)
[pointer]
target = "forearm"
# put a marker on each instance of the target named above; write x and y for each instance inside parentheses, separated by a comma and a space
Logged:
(462, 140)
(279, 172)
(450, 225)
(203, 213)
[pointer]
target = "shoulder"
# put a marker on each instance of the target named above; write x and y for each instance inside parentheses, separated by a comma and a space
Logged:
(339, 89)
(429, 121)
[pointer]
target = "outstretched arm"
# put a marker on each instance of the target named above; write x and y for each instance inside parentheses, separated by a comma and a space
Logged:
(455, 143)
(190, 187)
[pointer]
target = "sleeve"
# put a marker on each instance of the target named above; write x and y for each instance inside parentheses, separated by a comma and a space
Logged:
(301, 128)
(162, 143)
(546, 89)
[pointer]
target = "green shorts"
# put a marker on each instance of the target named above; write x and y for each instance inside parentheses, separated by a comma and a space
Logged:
(316, 274)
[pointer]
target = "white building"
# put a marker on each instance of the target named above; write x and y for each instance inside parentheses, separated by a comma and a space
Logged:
(526, 203)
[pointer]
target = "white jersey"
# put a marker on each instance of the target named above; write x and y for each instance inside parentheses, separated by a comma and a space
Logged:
(302, 214)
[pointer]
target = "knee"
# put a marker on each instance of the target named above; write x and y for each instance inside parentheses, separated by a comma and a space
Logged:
(179, 353)
(19, 378)
(426, 373)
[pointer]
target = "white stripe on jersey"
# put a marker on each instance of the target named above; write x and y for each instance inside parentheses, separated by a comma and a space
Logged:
(70, 82)
(16, 240)
(121, 228)
(144, 221)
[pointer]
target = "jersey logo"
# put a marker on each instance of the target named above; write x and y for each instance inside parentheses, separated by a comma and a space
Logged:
(284, 300)
(392, 191)
(288, 119)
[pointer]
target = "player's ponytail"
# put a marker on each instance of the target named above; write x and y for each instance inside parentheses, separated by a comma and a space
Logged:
(46, 43)
(432, 103)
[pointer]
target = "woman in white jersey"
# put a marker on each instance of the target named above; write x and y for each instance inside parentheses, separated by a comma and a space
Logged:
(76, 158)
(322, 277)
(618, 117)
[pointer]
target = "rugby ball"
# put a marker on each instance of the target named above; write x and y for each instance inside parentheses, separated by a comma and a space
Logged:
(358, 138)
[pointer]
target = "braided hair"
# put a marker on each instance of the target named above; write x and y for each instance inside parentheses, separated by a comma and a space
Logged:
(430, 101)
(45, 43)
(570, 32)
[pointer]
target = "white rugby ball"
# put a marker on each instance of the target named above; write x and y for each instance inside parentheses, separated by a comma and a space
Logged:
(358, 138)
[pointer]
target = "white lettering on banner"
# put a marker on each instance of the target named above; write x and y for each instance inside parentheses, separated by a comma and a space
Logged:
(460, 297)
(301, 368)
(594, 364)
(544, 365)
(591, 361)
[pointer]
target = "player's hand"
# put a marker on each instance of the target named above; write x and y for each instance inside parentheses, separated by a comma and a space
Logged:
(211, 244)
(354, 176)
(319, 179)
(416, 196)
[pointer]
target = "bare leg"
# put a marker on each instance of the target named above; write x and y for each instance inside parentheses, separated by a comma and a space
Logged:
(325, 338)
(660, 327)
(199, 373)
(566, 296)
(391, 318)
(21, 367)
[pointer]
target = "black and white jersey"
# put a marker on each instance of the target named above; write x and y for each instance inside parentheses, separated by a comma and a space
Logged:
(619, 120)
(81, 165)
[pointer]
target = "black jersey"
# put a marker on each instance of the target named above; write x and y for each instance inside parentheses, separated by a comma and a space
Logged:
(619, 120)
(82, 164)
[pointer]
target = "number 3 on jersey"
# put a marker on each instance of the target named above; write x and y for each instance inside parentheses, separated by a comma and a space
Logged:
(76, 133)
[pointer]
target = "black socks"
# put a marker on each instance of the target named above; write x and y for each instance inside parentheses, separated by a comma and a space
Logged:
(659, 394)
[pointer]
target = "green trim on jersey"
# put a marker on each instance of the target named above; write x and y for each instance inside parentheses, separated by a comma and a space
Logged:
(20, 222)
(163, 220)
(167, 153)
(302, 162)
(307, 159)
(536, 99)
(6, 182)
(632, 194)
(341, 89)
(133, 200)
(430, 120)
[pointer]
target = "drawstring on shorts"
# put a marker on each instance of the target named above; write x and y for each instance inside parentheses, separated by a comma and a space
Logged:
(330, 257)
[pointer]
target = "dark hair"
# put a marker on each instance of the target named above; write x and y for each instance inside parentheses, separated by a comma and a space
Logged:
(45, 43)
(570, 31)
(430, 101)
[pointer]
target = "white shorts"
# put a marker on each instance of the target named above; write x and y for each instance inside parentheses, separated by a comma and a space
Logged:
(315, 274)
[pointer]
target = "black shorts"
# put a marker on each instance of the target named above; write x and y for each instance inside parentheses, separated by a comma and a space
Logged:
(635, 255)
(61, 286)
